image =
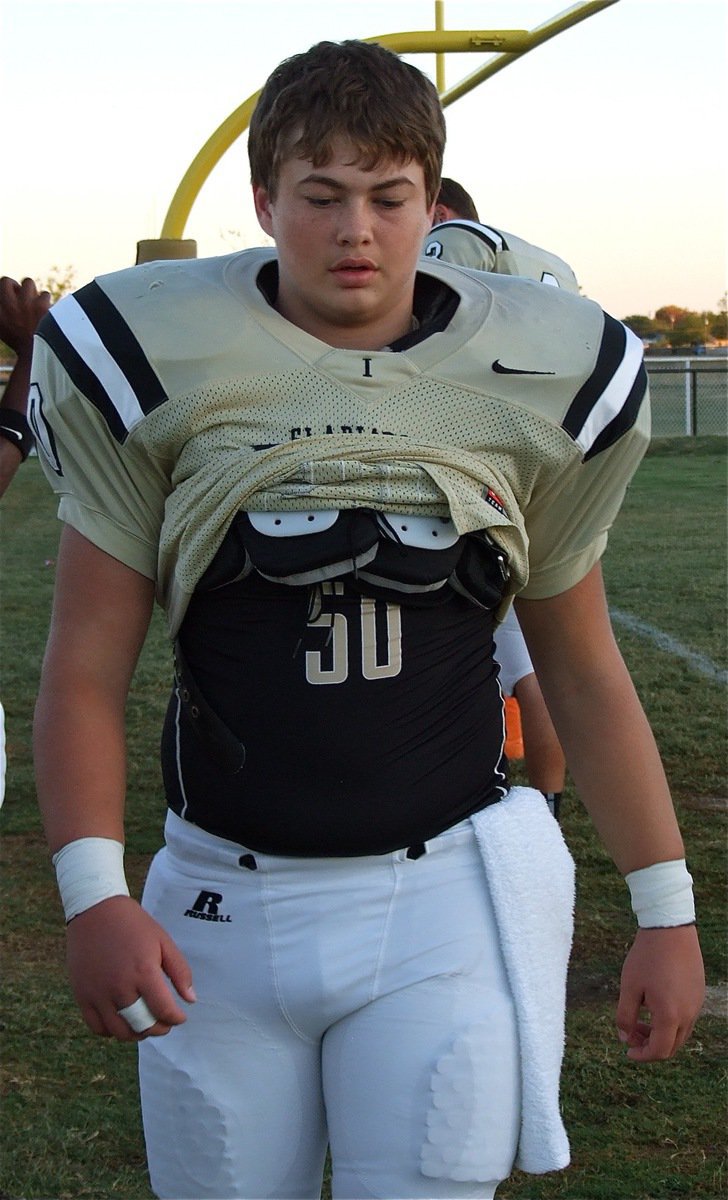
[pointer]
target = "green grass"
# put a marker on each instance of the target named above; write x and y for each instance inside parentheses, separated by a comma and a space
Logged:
(70, 1125)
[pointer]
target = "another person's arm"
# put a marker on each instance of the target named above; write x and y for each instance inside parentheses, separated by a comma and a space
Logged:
(116, 952)
(544, 758)
(617, 771)
(21, 308)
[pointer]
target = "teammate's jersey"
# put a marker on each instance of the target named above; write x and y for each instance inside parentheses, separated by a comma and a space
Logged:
(326, 527)
(471, 244)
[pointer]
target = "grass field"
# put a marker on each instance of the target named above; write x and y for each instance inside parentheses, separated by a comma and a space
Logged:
(70, 1125)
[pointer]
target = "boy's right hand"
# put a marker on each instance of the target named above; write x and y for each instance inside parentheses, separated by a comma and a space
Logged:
(118, 953)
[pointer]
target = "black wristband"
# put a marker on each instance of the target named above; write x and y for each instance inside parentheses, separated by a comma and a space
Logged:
(553, 799)
(14, 428)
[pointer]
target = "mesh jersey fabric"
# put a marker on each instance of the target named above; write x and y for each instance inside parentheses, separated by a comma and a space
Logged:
(168, 397)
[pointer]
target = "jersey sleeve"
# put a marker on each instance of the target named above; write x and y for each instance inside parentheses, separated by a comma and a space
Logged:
(87, 434)
(568, 519)
(483, 248)
(464, 244)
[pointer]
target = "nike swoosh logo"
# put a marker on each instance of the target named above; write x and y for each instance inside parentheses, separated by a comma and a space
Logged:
(501, 370)
(7, 429)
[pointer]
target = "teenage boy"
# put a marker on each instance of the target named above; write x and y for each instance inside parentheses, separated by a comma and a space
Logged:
(334, 464)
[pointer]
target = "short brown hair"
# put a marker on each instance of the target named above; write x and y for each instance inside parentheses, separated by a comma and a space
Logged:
(453, 195)
(356, 90)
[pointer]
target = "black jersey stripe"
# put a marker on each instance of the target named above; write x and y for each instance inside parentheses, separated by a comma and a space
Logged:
(492, 237)
(497, 235)
(613, 352)
(81, 375)
(625, 419)
(122, 345)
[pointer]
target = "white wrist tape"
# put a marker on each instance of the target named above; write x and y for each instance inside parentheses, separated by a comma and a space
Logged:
(88, 871)
(662, 895)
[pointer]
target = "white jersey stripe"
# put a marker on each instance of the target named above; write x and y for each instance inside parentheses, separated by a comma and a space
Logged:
(73, 322)
(612, 399)
(496, 237)
(485, 232)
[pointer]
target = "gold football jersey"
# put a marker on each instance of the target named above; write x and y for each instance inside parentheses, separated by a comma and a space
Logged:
(471, 244)
(167, 397)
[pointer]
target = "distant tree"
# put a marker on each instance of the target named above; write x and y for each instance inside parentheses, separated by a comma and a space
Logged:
(670, 315)
(718, 322)
(641, 325)
(59, 282)
(688, 330)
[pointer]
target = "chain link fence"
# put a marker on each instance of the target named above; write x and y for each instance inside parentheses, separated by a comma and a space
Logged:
(689, 396)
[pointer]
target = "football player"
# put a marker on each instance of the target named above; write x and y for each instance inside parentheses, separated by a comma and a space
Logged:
(334, 464)
(459, 236)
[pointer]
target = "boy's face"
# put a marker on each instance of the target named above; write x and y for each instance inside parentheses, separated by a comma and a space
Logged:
(348, 243)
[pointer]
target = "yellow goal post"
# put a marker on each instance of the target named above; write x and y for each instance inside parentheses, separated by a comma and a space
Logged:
(505, 45)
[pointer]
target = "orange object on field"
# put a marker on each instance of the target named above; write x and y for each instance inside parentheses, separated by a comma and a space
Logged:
(514, 732)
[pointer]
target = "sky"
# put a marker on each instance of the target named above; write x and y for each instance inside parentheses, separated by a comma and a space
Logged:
(604, 145)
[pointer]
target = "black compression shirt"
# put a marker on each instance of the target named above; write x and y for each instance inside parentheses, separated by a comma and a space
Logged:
(368, 726)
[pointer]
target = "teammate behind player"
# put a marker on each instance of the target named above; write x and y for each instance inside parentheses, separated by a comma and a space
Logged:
(459, 236)
(335, 461)
(544, 758)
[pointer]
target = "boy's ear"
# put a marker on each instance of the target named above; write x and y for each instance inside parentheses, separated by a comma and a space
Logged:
(263, 211)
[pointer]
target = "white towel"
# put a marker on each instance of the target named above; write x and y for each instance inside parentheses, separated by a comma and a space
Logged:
(530, 874)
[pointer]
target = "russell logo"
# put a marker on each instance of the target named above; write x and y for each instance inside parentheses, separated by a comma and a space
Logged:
(207, 907)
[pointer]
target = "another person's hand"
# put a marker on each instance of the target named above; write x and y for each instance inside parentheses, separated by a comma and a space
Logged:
(662, 992)
(117, 954)
(21, 309)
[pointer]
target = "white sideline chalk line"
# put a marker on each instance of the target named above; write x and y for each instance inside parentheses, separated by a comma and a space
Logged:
(699, 662)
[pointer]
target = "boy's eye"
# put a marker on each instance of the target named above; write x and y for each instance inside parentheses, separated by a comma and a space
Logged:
(386, 202)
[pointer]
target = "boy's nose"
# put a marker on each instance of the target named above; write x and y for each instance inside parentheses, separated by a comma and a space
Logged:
(355, 226)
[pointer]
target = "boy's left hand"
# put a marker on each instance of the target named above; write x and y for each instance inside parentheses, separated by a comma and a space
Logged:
(662, 976)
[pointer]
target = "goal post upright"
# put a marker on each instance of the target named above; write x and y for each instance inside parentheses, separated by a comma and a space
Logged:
(506, 46)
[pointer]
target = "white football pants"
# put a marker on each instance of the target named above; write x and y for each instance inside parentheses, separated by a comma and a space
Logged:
(361, 1002)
